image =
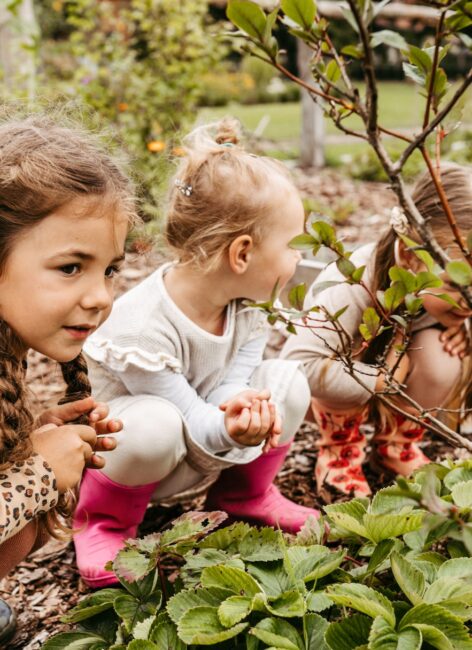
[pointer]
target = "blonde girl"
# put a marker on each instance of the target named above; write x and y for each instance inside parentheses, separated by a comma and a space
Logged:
(180, 360)
(65, 208)
(432, 369)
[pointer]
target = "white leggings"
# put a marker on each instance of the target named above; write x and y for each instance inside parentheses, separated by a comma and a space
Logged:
(151, 447)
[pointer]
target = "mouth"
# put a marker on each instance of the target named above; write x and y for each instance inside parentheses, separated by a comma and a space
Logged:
(80, 332)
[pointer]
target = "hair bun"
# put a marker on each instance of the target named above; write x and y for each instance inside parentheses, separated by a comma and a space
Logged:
(228, 131)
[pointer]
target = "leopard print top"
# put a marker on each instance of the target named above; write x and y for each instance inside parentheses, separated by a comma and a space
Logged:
(27, 489)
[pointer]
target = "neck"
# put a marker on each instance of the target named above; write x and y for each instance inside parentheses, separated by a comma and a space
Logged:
(202, 297)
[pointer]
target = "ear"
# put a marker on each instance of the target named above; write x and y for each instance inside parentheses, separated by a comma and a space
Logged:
(240, 253)
(406, 258)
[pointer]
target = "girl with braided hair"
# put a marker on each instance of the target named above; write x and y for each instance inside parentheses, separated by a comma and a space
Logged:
(65, 209)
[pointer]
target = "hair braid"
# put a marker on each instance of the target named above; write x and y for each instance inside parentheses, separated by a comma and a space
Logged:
(16, 419)
(75, 375)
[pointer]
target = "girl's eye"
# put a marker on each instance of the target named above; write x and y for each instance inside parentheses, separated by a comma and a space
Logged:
(112, 271)
(70, 269)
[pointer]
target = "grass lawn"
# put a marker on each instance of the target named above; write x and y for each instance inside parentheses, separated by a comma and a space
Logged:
(400, 105)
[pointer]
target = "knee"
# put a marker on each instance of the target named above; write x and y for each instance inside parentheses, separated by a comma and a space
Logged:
(152, 430)
(298, 399)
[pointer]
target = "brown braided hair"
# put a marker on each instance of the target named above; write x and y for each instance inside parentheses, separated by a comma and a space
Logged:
(43, 167)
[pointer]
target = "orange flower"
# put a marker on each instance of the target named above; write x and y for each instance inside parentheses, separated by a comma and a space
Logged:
(178, 151)
(123, 106)
(155, 146)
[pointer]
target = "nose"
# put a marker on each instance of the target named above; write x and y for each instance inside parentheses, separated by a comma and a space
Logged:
(98, 296)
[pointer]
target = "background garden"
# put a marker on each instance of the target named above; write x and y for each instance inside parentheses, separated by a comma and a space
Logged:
(143, 72)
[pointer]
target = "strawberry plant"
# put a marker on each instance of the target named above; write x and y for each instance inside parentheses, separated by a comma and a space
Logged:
(392, 572)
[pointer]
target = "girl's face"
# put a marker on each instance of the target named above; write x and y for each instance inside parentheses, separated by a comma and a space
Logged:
(446, 314)
(57, 284)
(273, 260)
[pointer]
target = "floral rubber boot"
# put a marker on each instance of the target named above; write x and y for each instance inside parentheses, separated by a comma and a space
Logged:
(341, 452)
(396, 450)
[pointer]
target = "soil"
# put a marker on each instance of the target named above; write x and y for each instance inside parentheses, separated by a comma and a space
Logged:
(46, 585)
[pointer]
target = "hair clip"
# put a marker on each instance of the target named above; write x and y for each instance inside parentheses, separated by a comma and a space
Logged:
(226, 144)
(398, 221)
(183, 188)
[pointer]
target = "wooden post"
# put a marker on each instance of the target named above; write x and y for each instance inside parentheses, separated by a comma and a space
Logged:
(313, 130)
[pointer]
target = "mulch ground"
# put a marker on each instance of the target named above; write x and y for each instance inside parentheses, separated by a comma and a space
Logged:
(46, 585)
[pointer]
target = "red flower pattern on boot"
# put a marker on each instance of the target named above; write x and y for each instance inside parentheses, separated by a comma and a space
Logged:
(395, 448)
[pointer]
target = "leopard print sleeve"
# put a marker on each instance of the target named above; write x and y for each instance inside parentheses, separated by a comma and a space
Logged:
(27, 489)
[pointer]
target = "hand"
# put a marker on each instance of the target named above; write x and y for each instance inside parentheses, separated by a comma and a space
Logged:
(97, 413)
(66, 449)
(455, 341)
(250, 418)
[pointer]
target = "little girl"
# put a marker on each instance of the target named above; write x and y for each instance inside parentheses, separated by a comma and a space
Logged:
(64, 213)
(431, 369)
(180, 359)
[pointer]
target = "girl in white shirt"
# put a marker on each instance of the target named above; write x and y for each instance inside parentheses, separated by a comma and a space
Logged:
(180, 359)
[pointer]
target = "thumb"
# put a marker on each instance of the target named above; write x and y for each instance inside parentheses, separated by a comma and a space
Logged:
(69, 411)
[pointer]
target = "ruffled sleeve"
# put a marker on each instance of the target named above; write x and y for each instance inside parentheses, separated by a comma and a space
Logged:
(119, 358)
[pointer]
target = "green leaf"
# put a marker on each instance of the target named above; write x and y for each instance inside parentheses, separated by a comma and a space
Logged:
(348, 634)
(318, 287)
(362, 598)
(457, 475)
(354, 51)
(456, 568)
(302, 12)
(381, 552)
(262, 545)
(164, 634)
(190, 598)
(333, 71)
(226, 538)
(296, 296)
(190, 526)
(394, 295)
(410, 580)
(303, 242)
(74, 641)
(450, 589)
(248, 16)
(398, 274)
(358, 273)
(316, 627)
(460, 273)
(439, 628)
(325, 565)
(235, 580)
(287, 605)
(384, 637)
(371, 320)
(201, 626)
(278, 633)
(427, 280)
(348, 523)
(233, 610)
(414, 73)
(345, 266)
(380, 527)
(318, 601)
(130, 564)
(142, 644)
(462, 494)
(420, 58)
(92, 605)
(273, 578)
(131, 610)
(388, 37)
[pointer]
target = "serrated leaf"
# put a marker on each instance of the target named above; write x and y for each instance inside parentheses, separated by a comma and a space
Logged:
(273, 578)
(460, 273)
(384, 637)
(192, 525)
(315, 627)
(363, 599)
(164, 635)
(262, 545)
(439, 628)
(379, 527)
(141, 644)
(325, 565)
(141, 630)
(302, 12)
(457, 475)
(349, 633)
(248, 16)
(130, 564)
(287, 605)
(132, 611)
(73, 641)
(92, 605)
(390, 499)
(201, 626)
(355, 508)
(318, 601)
(462, 494)
(233, 610)
(381, 553)
(190, 598)
(410, 579)
(447, 588)
(348, 523)
(312, 531)
(235, 580)
(456, 568)
(278, 633)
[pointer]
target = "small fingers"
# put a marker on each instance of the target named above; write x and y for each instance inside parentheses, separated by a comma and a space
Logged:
(95, 462)
(266, 419)
(105, 443)
(100, 412)
(108, 426)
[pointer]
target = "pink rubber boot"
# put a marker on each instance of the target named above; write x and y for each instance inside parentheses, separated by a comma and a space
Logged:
(107, 514)
(246, 492)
